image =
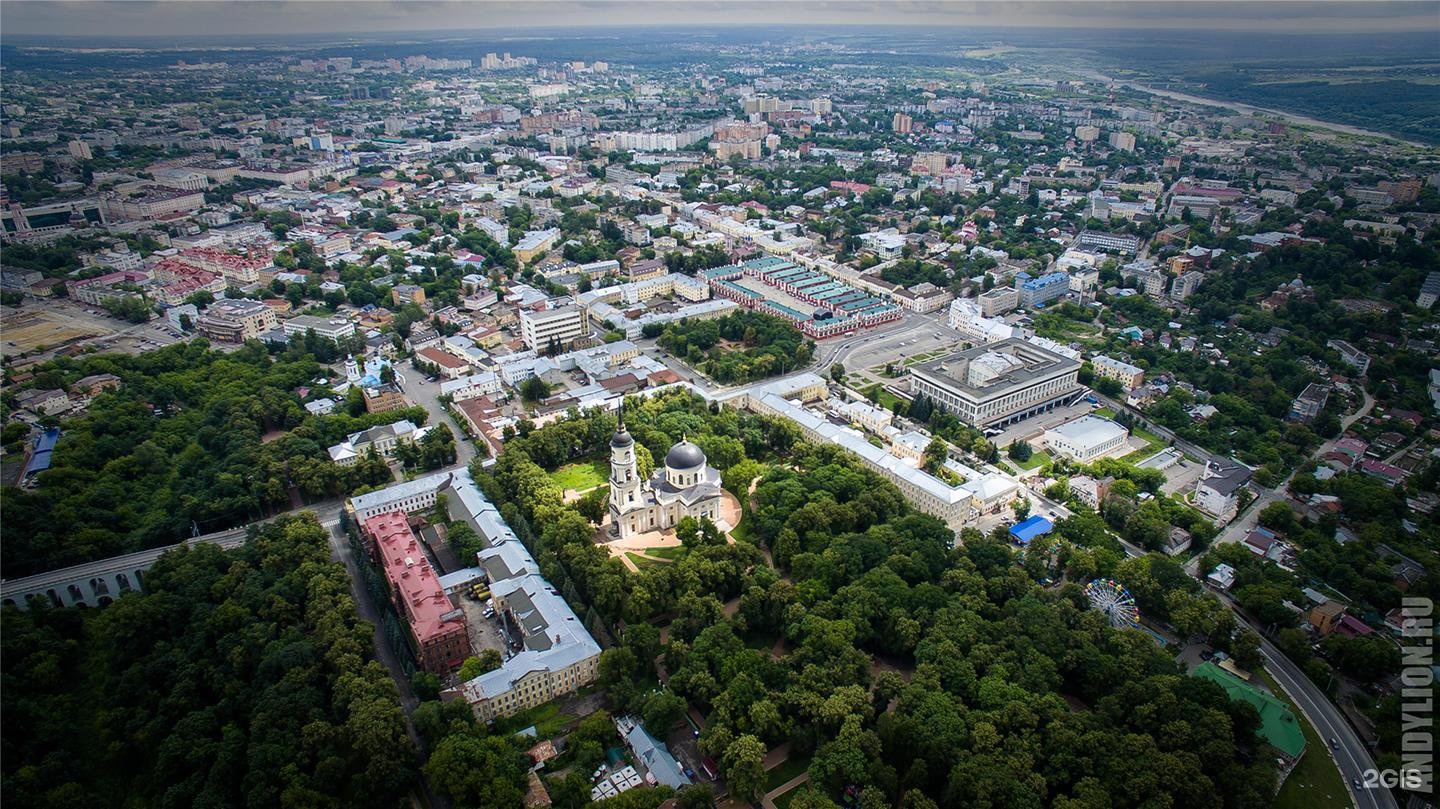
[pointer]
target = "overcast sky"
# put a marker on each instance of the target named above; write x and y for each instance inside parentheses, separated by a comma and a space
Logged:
(195, 17)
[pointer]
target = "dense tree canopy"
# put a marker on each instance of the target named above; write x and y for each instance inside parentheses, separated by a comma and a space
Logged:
(240, 678)
(902, 665)
(740, 347)
(193, 438)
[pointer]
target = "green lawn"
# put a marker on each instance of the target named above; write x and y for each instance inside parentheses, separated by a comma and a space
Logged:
(1316, 782)
(581, 476)
(547, 719)
(785, 770)
(882, 397)
(674, 553)
(641, 562)
(741, 532)
(1153, 444)
(1105, 412)
(1036, 459)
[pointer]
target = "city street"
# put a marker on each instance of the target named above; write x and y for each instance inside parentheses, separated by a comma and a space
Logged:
(427, 395)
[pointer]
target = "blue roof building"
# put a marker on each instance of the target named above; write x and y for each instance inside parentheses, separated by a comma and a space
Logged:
(40, 455)
(1023, 532)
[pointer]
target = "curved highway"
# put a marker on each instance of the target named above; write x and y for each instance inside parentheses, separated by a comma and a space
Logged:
(1350, 754)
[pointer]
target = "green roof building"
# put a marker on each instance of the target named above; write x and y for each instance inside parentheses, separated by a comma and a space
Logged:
(1278, 724)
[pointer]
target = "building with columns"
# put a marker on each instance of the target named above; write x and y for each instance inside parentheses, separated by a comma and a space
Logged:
(687, 487)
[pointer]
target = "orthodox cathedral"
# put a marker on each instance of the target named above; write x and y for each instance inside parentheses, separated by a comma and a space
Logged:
(686, 487)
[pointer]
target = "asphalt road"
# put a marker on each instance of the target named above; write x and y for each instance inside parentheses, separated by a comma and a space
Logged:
(1194, 450)
(1244, 523)
(427, 395)
(1351, 755)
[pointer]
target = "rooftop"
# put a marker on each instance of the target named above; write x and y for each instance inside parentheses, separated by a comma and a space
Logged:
(427, 608)
(996, 367)
(1089, 431)
(1278, 725)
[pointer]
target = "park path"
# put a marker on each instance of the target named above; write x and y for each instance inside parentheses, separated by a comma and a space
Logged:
(768, 802)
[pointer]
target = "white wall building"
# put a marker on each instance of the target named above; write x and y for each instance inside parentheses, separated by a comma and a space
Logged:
(560, 325)
(1087, 439)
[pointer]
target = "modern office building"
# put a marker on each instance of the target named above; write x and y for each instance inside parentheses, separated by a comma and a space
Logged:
(998, 301)
(1429, 291)
(1310, 402)
(332, 328)
(235, 321)
(559, 325)
(1186, 284)
(1112, 242)
(1034, 292)
(998, 384)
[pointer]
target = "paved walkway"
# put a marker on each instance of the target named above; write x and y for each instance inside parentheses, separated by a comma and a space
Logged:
(768, 802)
(620, 548)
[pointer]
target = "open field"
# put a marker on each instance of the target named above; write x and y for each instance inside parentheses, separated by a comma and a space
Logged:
(29, 330)
(581, 476)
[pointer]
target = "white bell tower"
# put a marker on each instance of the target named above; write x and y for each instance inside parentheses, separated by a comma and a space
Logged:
(624, 474)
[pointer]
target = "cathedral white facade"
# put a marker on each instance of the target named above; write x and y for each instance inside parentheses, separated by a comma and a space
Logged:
(686, 487)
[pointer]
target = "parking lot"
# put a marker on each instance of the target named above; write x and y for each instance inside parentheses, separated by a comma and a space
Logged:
(485, 633)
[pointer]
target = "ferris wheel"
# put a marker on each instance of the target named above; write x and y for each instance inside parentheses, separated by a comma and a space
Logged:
(1115, 601)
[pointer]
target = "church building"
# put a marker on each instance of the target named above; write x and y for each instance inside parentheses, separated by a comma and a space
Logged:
(687, 487)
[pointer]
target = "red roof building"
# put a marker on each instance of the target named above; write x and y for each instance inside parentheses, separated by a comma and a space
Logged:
(449, 365)
(1351, 627)
(437, 628)
(858, 189)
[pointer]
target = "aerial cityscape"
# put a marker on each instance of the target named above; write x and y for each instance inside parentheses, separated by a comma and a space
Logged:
(790, 405)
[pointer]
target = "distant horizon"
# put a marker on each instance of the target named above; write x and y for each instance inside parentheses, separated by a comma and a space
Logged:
(109, 21)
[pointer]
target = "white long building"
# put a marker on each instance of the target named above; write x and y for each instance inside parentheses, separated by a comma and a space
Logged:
(1087, 439)
(557, 656)
(966, 318)
(979, 493)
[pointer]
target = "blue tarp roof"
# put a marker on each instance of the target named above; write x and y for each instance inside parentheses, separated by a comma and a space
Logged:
(1033, 527)
(40, 457)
